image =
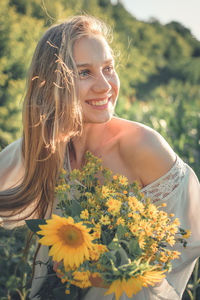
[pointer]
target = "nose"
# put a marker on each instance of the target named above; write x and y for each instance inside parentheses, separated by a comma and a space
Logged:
(101, 84)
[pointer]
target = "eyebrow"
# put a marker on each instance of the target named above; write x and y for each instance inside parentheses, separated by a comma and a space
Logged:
(90, 65)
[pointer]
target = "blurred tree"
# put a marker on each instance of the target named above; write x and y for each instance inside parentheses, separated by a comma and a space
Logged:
(16, 48)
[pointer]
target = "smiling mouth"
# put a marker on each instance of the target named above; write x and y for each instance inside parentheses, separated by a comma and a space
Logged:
(102, 102)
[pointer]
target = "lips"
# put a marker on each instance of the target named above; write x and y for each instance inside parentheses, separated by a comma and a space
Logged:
(101, 102)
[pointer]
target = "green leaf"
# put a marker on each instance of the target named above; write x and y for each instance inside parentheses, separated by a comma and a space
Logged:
(33, 224)
(106, 237)
(75, 208)
(121, 253)
(114, 245)
(121, 230)
(134, 247)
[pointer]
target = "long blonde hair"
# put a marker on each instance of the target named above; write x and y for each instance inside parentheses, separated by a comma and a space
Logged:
(51, 114)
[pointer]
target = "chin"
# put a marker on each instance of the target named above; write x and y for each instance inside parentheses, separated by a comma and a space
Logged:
(98, 120)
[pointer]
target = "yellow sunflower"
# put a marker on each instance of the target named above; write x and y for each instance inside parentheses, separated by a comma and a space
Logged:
(134, 284)
(130, 287)
(70, 241)
(152, 277)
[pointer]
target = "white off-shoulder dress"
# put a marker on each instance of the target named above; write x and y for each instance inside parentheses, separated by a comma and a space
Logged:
(179, 188)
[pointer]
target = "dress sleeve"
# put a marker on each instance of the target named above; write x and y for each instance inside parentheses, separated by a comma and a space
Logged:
(11, 175)
(180, 190)
(11, 165)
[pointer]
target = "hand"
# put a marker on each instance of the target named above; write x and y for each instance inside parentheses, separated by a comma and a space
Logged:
(55, 265)
(97, 281)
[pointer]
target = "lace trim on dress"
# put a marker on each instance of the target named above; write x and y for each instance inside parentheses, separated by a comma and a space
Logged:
(165, 185)
(160, 188)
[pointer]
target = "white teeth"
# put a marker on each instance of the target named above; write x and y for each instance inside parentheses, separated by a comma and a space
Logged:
(98, 103)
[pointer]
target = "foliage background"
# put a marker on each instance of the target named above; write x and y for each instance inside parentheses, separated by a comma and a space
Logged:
(159, 69)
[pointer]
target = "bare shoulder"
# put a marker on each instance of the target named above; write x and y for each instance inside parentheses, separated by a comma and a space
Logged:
(145, 151)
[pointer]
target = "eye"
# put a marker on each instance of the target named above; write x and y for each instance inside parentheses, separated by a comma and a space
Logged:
(84, 73)
(109, 69)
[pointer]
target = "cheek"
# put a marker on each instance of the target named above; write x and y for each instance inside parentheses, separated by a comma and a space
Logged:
(116, 83)
(83, 88)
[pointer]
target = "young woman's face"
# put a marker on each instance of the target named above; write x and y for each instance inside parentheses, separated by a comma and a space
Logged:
(98, 83)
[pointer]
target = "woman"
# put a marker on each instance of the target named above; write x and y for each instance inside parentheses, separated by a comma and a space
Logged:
(68, 109)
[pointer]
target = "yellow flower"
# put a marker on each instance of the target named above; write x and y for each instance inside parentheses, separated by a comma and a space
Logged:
(105, 220)
(163, 257)
(105, 191)
(176, 254)
(134, 228)
(84, 214)
(70, 241)
(141, 241)
(121, 221)
(176, 222)
(173, 228)
(134, 204)
(115, 177)
(170, 240)
(113, 206)
(123, 180)
(152, 277)
(187, 234)
(81, 279)
(97, 231)
(152, 210)
(96, 235)
(97, 250)
(163, 216)
(146, 226)
(154, 248)
(130, 287)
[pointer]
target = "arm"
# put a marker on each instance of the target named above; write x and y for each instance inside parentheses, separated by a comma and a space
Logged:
(146, 153)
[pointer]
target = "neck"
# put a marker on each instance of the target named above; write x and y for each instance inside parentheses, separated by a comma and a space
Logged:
(92, 139)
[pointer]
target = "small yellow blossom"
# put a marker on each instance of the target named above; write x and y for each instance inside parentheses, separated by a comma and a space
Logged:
(187, 234)
(105, 191)
(84, 214)
(141, 241)
(121, 221)
(176, 254)
(123, 180)
(134, 228)
(163, 257)
(154, 247)
(130, 215)
(113, 206)
(176, 222)
(170, 240)
(104, 220)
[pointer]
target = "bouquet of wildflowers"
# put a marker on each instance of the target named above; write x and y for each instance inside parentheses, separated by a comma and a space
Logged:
(110, 230)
